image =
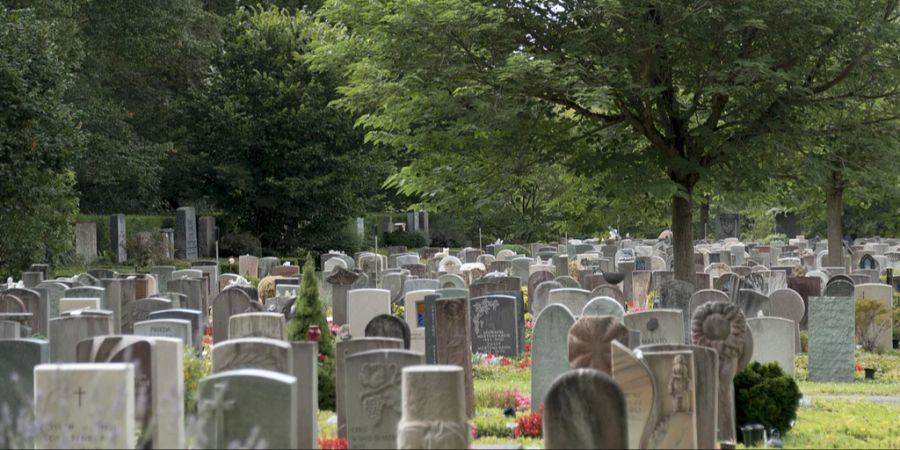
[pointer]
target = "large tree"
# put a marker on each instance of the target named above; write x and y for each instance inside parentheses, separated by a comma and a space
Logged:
(265, 146)
(38, 136)
(678, 87)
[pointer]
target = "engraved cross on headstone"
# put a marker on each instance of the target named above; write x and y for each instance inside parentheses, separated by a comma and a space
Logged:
(220, 406)
(80, 393)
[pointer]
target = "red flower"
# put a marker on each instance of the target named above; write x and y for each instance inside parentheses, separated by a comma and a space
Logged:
(489, 357)
(209, 330)
(528, 347)
(322, 358)
(333, 443)
(530, 425)
(859, 367)
(525, 363)
(505, 361)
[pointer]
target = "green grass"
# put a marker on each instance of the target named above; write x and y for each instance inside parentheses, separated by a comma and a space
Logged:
(74, 269)
(858, 388)
(846, 424)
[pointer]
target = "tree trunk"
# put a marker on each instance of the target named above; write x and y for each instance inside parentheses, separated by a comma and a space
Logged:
(834, 203)
(682, 233)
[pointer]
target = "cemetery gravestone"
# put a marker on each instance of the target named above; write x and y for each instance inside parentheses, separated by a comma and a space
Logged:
(341, 281)
(773, 341)
(206, 237)
(675, 424)
(549, 350)
(192, 316)
(228, 303)
(86, 241)
(589, 342)
(172, 328)
(389, 326)
(494, 325)
(252, 353)
(676, 294)
(658, 326)
(186, 233)
(453, 345)
(75, 304)
(84, 405)
(270, 325)
(787, 304)
(585, 408)
(434, 408)
(117, 238)
(541, 297)
(139, 310)
(18, 358)
(363, 305)
(831, 339)
(373, 383)
(67, 331)
(880, 330)
(37, 305)
(604, 306)
(247, 408)
(572, 298)
(343, 349)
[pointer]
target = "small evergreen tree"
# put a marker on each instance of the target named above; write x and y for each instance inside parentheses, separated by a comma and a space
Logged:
(310, 311)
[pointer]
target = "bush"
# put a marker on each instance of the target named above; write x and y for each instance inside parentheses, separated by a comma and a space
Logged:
(493, 426)
(872, 321)
(765, 394)
(195, 368)
(410, 240)
(237, 244)
(311, 311)
(519, 249)
(146, 249)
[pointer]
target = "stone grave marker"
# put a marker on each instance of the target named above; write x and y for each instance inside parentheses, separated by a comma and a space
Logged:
(265, 266)
(572, 298)
(171, 328)
(604, 306)
(585, 408)
(248, 266)
(186, 233)
(247, 408)
(37, 305)
(363, 305)
(252, 353)
(610, 291)
(774, 341)
(119, 293)
(434, 408)
(117, 237)
(414, 310)
(452, 341)
(389, 326)
(675, 424)
(84, 406)
(10, 329)
(451, 280)
(706, 384)
(676, 294)
(67, 331)
(536, 279)
(198, 329)
(50, 292)
(839, 287)
(494, 325)
(589, 342)
(374, 403)
(341, 281)
(549, 350)
(722, 327)
(884, 294)
(541, 297)
(787, 304)
(30, 280)
(831, 339)
(343, 349)
(657, 326)
(228, 303)
(270, 325)
(639, 386)
(640, 287)
(162, 274)
(158, 378)
(752, 303)
(139, 310)
(75, 304)
(18, 358)
(86, 241)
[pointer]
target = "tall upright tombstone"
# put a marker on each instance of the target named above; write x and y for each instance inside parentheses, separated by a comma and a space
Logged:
(674, 424)
(343, 349)
(77, 401)
(341, 281)
(453, 345)
(247, 407)
(117, 238)
(390, 326)
(676, 294)
(30, 280)
(879, 332)
(18, 358)
(721, 326)
(258, 324)
(363, 305)
(434, 408)
(191, 315)
(773, 341)
(51, 292)
(119, 293)
(159, 382)
(37, 305)
(585, 408)
(414, 311)
(832, 327)
(373, 383)
(248, 266)
(206, 237)
(86, 241)
(549, 352)
(162, 274)
(139, 310)
(171, 328)
(186, 233)
(193, 289)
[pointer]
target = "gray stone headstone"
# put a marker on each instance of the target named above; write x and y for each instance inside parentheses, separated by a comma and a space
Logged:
(193, 289)
(228, 303)
(139, 310)
(172, 328)
(572, 298)
(657, 326)
(585, 408)
(453, 341)
(603, 306)
(373, 383)
(341, 281)
(246, 407)
(72, 398)
(676, 294)
(386, 325)
(270, 325)
(192, 316)
(343, 349)
(119, 293)
(494, 325)
(18, 358)
(831, 339)
(550, 357)
(117, 237)
(839, 288)
(86, 241)
(162, 274)
(773, 341)
(266, 264)
(252, 353)
(206, 237)
(752, 303)
(186, 233)
(67, 331)
(31, 279)
(38, 306)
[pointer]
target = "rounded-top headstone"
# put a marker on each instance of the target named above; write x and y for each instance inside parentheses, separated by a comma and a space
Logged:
(386, 325)
(604, 306)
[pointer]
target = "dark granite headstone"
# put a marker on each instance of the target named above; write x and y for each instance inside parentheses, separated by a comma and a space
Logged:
(494, 328)
(386, 325)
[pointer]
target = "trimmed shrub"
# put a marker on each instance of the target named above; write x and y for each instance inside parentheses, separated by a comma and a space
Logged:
(873, 320)
(237, 244)
(765, 394)
(410, 240)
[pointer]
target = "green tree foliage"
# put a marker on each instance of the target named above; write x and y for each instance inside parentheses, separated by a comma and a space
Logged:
(309, 310)
(38, 137)
(664, 92)
(765, 394)
(265, 144)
